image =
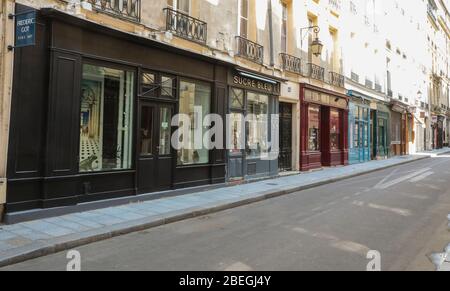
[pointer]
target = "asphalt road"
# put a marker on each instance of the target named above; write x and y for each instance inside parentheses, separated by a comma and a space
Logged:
(400, 212)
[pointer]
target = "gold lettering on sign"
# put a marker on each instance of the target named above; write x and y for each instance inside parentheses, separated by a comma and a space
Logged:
(254, 84)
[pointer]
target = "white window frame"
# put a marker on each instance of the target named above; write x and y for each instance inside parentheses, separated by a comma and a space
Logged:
(240, 16)
(284, 7)
(175, 7)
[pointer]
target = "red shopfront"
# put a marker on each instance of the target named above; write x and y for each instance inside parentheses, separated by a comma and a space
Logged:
(323, 128)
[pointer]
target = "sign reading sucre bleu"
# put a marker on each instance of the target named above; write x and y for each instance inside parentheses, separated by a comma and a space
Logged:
(25, 29)
(250, 83)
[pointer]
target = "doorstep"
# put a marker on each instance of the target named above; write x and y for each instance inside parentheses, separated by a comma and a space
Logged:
(32, 239)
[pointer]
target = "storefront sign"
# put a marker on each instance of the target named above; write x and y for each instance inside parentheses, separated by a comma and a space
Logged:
(325, 99)
(249, 83)
(25, 29)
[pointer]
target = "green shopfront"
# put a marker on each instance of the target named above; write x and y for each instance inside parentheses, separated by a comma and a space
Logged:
(359, 130)
(369, 124)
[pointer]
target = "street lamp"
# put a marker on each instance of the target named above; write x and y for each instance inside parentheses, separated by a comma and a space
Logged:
(316, 45)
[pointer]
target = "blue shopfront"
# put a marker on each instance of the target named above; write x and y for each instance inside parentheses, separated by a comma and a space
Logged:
(359, 129)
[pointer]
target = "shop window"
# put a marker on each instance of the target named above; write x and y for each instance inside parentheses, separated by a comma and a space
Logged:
(194, 94)
(167, 86)
(236, 122)
(149, 84)
(258, 125)
(237, 98)
(356, 135)
(335, 142)
(314, 128)
(366, 135)
(106, 119)
(165, 116)
(147, 119)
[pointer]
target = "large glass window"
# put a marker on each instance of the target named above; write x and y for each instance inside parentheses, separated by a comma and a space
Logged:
(335, 130)
(106, 119)
(284, 27)
(314, 128)
(258, 123)
(194, 94)
(236, 121)
(181, 5)
(243, 18)
(147, 119)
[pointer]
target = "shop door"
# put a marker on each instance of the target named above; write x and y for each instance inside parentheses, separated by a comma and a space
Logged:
(365, 149)
(285, 158)
(155, 155)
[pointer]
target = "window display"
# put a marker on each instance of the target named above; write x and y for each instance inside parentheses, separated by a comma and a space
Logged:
(236, 121)
(106, 119)
(335, 142)
(258, 124)
(147, 117)
(194, 94)
(314, 128)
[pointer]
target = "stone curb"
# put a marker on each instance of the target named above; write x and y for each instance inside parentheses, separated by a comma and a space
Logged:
(48, 247)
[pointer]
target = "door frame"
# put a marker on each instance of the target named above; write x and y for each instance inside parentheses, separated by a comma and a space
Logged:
(157, 105)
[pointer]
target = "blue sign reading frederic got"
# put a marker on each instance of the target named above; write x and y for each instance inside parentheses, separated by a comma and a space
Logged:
(25, 29)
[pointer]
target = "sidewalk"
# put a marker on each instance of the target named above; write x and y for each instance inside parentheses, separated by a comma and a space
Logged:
(435, 153)
(28, 240)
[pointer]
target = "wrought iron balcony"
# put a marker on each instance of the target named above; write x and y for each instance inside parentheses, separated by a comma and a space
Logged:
(337, 80)
(378, 87)
(185, 26)
(355, 77)
(369, 84)
(291, 63)
(353, 8)
(316, 72)
(125, 9)
(335, 4)
(432, 12)
(249, 50)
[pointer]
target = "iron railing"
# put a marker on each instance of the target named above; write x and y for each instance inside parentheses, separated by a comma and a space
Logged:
(291, 63)
(369, 84)
(378, 87)
(337, 79)
(355, 77)
(185, 26)
(316, 72)
(432, 12)
(335, 4)
(125, 9)
(249, 50)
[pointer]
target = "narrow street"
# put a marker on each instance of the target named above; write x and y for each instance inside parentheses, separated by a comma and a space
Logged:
(400, 212)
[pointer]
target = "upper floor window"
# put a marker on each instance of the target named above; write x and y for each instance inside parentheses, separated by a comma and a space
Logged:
(243, 18)
(180, 5)
(284, 25)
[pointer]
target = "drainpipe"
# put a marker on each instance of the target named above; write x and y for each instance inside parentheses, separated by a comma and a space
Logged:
(272, 57)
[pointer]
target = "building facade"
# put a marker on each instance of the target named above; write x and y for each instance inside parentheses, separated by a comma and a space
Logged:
(87, 112)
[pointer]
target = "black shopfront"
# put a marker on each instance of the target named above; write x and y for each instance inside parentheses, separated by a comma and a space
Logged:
(253, 101)
(92, 116)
